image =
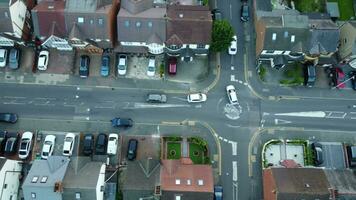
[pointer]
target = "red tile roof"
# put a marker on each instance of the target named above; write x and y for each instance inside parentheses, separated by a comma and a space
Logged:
(180, 175)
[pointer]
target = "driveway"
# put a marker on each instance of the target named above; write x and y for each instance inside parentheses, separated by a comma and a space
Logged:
(333, 154)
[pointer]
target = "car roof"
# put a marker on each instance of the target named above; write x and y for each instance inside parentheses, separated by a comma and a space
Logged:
(151, 62)
(195, 96)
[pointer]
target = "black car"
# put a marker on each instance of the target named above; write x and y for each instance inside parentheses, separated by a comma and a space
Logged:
(216, 14)
(88, 144)
(353, 80)
(3, 137)
(84, 66)
(121, 122)
(8, 117)
(245, 13)
(318, 153)
(14, 58)
(132, 149)
(11, 144)
(101, 143)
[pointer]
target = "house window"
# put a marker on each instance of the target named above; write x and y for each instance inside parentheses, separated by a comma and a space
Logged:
(80, 19)
(6, 15)
(100, 21)
(77, 195)
(201, 46)
(33, 195)
(138, 24)
(178, 197)
(91, 21)
(34, 179)
(5, 186)
(149, 24)
(127, 23)
(44, 179)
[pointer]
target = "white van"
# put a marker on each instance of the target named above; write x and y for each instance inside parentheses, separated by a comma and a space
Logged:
(3, 57)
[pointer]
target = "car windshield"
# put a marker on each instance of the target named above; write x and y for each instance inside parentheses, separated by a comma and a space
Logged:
(2, 59)
(122, 67)
(22, 152)
(48, 143)
(45, 153)
(151, 69)
(218, 194)
(112, 139)
(7, 117)
(105, 62)
(23, 145)
(130, 152)
(68, 139)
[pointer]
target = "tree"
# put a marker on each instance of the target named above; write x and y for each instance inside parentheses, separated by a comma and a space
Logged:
(221, 35)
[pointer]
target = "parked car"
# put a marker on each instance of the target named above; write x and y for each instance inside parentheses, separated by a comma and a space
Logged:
(216, 14)
(351, 155)
(43, 58)
(231, 94)
(14, 58)
(245, 12)
(132, 149)
(101, 143)
(233, 46)
(48, 146)
(156, 98)
(112, 144)
(172, 65)
(25, 145)
(88, 144)
(11, 144)
(121, 122)
(318, 152)
(310, 75)
(122, 64)
(336, 76)
(218, 192)
(8, 117)
(353, 80)
(151, 68)
(84, 66)
(68, 144)
(196, 97)
(105, 66)
(3, 137)
(3, 57)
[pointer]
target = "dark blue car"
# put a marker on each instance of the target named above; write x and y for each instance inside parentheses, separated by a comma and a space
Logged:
(218, 192)
(105, 66)
(121, 122)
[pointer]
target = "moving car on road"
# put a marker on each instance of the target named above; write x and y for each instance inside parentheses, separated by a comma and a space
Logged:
(43, 60)
(112, 144)
(8, 117)
(88, 144)
(196, 97)
(25, 145)
(84, 66)
(132, 149)
(121, 122)
(101, 143)
(68, 144)
(48, 146)
(3, 57)
(231, 94)
(245, 12)
(156, 98)
(122, 64)
(105, 66)
(218, 192)
(233, 46)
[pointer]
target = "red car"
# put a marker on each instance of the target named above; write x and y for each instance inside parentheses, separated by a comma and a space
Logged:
(172, 70)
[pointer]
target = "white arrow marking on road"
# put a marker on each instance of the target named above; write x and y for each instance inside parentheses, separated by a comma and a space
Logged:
(281, 121)
(232, 78)
(234, 170)
(316, 114)
(76, 96)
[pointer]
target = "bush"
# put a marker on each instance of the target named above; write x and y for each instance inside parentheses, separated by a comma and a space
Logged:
(262, 73)
(173, 138)
(161, 70)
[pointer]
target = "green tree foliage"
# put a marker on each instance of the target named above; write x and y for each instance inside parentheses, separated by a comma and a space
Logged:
(221, 35)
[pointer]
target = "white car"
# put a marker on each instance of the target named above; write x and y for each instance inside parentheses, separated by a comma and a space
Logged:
(43, 60)
(233, 46)
(196, 97)
(68, 144)
(231, 94)
(112, 144)
(48, 146)
(3, 57)
(151, 69)
(25, 145)
(122, 65)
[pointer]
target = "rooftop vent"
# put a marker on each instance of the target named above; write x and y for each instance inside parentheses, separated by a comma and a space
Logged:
(50, 7)
(200, 182)
(292, 38)
(181, 15)
(274, 36)
(34, 179)
(189, 182)
(177, 181)
(307, 185)
(44, 179)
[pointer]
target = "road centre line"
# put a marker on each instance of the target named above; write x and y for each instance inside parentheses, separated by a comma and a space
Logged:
(234, 170)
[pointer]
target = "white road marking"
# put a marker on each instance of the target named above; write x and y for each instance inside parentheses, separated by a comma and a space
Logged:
(234, 170)
(232, 126)
(281, 121)
(225, 140)
(234, 148)
(232, 68)
(335, 114)
(13, 103)
(316, 114)
(232, 77)
(146, 105)
(221, 138)
(105, 107)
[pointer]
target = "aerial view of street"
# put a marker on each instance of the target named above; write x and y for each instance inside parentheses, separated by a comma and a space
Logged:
(178, 100)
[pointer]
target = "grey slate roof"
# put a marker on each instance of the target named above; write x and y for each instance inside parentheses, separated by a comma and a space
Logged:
(344, 181)
(5, 23)
(324, 37)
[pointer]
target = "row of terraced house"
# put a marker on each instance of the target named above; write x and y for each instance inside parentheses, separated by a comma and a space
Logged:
(139, 27)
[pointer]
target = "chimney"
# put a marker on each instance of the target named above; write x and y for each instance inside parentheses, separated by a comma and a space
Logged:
(58, 187)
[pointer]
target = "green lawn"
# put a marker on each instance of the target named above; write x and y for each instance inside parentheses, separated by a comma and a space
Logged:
(306, 6)
(171, 148)
(346, 8)
(197, 159)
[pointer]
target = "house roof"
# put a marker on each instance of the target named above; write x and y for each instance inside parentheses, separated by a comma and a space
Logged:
(344, 181)
(151, 13)
(324, 36)
(5, 23)
(86, 6)
(300, 183)
(82, 173)
(191, 24)
(177, 175)
(333, 9)
(54, 168)
(2, 162)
